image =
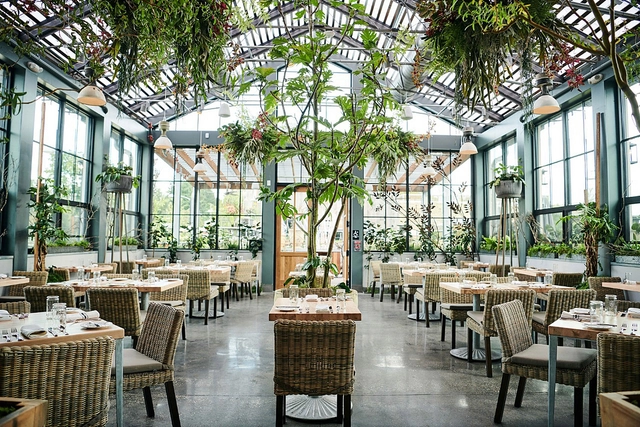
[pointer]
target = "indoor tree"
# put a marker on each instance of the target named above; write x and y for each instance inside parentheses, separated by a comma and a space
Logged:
(290, 124)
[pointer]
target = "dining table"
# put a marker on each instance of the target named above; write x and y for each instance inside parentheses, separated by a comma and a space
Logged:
(13, 280)
(569, 328)
(533, 273)
(90, 268)
(626, 287)
(144, 287)
(75, 332)
(149, 261)
(478, 289)
(304, 407)
(475, 265)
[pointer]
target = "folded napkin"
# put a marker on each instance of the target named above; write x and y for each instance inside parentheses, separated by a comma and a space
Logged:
(480, 286)
(33, 331)
(633, 312)
(575, 316)
(3, 276)
(537, 285)
(580, 310)
(322, 308)
(631, 282)
(4, 313)
(73, 317)
(311, 297)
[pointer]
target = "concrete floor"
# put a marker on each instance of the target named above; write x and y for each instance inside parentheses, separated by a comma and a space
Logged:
(405, 376)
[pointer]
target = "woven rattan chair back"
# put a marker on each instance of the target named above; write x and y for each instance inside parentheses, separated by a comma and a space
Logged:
(220, 277)
(476, 275)
(119, 306)
(500, 296)
(513, 327)
(155, 263)
(314, 358)
(568, 279)
(16, 307)
(374, 266)
(160, 334)
(244, 269)
(117, 276)
(595, 283)
(113, 265)
(303, 292)
(390, 274)
(199, 288)
(504, 280)
(625, 305)
(412, 279)
(432, 285)
(126, 267)
(36, 278)
(63, 273)
(618, 361)
(501, 270)
(565, 300)
(179, 293)
(72, 376)
(37, 296)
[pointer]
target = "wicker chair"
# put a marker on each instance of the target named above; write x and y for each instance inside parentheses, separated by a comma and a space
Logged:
(72, 376)
(36, 278)
(374, 274)
(410, 291)
(175, 297)
(242, 278)
(595, 283)
(575, 366)
(126, 267)
(117, 276)
(498, 269)
(113, 265)
(200, 290)
(618, 359)
(151, 363)
(303, 292)
(624, 305)
(390, 275)
(119, 306)
(64, 274)
(568, 279)
(453, 306)
(559, 301)
(16, 307)
(431, 292)
(482, 323)
(256, 275)
(222, 279)
(37, 296)
(152, 263)
(324, 362)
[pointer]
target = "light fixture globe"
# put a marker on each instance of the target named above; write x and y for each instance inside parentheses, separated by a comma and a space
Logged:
(407, 112)
(200, 168)
(92, 95)
(163, 142)
(468, 147)
(428, 167)
(224, 110)
(546, 104)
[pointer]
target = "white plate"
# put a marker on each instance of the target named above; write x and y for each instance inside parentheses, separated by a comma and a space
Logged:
(95, 324)
(597, 327)
(286, 307)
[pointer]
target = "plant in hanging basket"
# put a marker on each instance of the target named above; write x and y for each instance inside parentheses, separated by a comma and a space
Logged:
(118, 179)
(508, 181)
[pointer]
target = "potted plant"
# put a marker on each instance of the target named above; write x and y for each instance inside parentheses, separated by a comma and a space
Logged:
(626, 252)
(118, 179)
(128, 243)
(66, 246)
(508, 181)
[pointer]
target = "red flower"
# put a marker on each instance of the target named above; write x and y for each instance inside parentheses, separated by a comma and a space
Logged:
(256, 134)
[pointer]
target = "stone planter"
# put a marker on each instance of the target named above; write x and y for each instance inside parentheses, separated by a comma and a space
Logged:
(64, 249)
(628, 259)
(123, 185)
(125, 248)
(509, 190)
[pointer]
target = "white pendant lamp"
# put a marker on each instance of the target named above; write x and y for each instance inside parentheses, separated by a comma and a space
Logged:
(545, 104)
(92, 95)
(429, 170)
(163, 142)
(200, 168)
(224, 110)
(468, 147)
(407, 112)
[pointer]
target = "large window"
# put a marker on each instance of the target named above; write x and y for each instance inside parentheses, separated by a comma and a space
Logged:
(64, 157)
(505, 152)
(564, 168)
(631, 183)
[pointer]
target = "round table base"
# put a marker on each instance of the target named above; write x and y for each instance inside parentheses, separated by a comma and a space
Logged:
(200, 314)
(433, 317)
(312, 408)
(478, 355)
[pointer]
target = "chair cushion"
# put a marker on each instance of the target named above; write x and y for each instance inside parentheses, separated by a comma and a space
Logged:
(538, 317)
(477, 316)
(465, 307)
(172, 303)
(215, 291)
(135, 362)
(568, 357)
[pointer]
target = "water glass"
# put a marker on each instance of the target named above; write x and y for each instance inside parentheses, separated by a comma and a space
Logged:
(596, 310)
(627, 277)
(341, 299)
(81, 273)
(135, 275)
(144, 257)
(59, 314)
(178, 263)
(166, 263)
(151, 276)
(51, 301)
(293, 293)
(548, 278)
(511, 277)
(493, 279)
(610, 305)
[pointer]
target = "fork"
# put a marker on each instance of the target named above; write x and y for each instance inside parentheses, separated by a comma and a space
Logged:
(5, 335)
(14, 332)
(634, 328)
(53, 332)
(623, 328)
(63, 328)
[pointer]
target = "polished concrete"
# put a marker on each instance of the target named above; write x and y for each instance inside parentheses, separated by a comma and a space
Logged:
(404, 376)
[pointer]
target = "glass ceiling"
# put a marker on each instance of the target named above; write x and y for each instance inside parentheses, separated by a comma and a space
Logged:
(389, 18)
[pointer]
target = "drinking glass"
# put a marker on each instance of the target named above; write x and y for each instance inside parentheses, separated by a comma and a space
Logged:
(178, 263)
(81, 273)
(59, 314)
(96, 276)
(151, 276)
(511, 277)
(341, 299)
(166, 262)
(493, 279)
(293, 293)
(548, 279)
(144, 257)
(135, 275)
(596, 310)
(52, 300)
(610, 305)
(627, 277)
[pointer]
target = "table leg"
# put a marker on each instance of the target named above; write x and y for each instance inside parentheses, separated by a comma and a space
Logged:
(144, 300)
(551, 395)
(119, 384)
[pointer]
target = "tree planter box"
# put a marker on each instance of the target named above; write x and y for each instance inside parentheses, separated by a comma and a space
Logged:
(617, 411)
(123, 185)
(29, 413)
(64, 249)
(628, 259)
(508, 190)
(573, 257)
(544, 256)
(125, 248)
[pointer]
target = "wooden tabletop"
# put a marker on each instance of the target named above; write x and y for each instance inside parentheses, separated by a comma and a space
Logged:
(459, 289)
(575, 329)
(476, 265)
(75, 331)
(351, 313)
(140, 285)
(146, 262)
(10, 281)
(622, 286)
(531, 272)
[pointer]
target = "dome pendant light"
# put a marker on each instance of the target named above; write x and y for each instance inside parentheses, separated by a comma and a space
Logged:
(429, 170)
(224, 110)
(468, 147)
(407, 112)
(545, 104)
(163, 142)
(200, 168)
(91, 94)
